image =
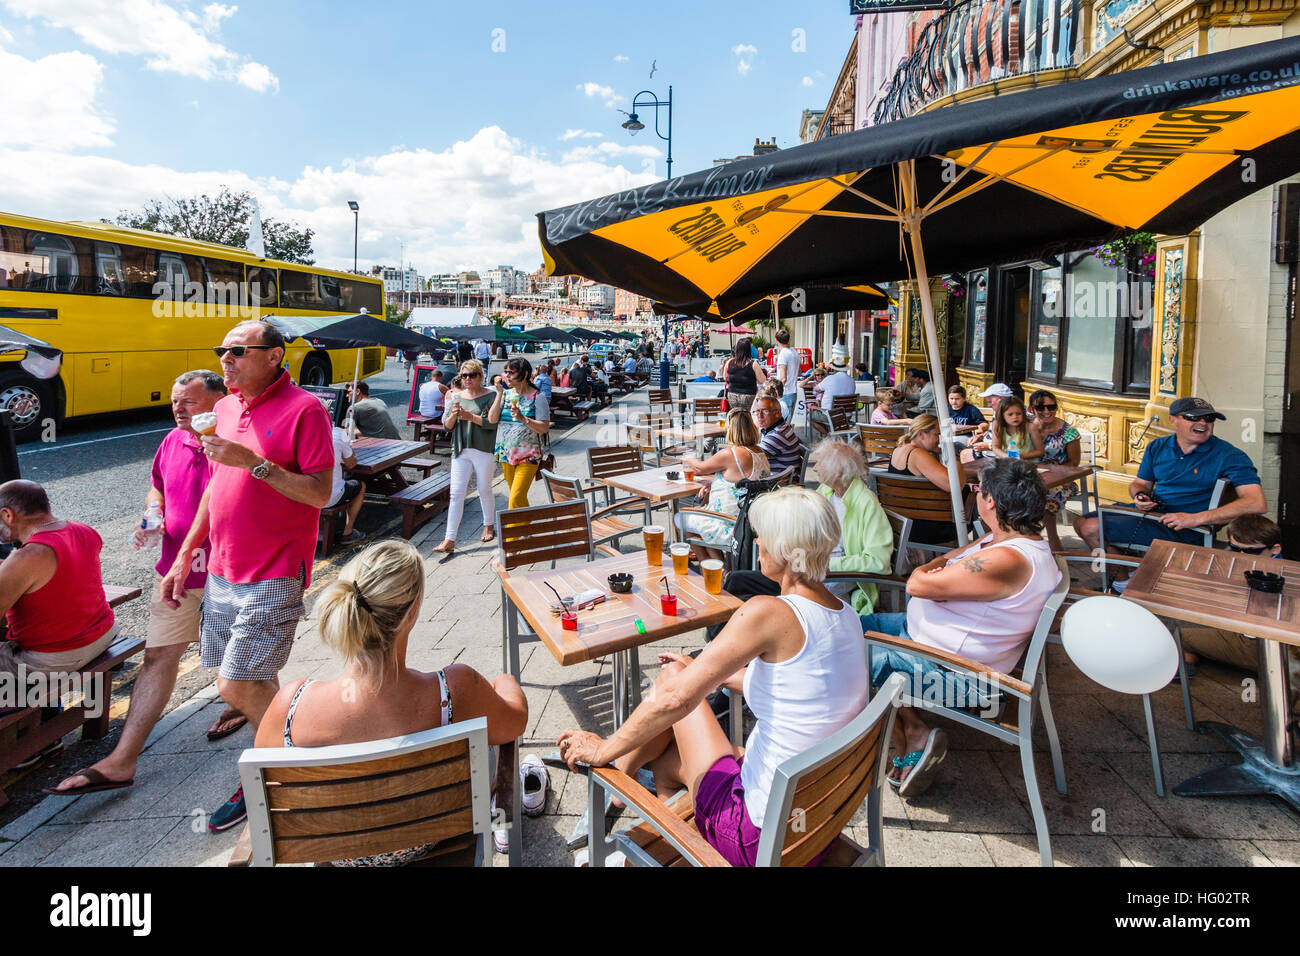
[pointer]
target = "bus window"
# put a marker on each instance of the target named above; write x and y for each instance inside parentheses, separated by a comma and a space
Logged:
(108, 269)
(361, 295)
(172, 273)
(224, 281)
(139, 271)
(262, 287)
(54, 264)
(298, 290)
(331, 296)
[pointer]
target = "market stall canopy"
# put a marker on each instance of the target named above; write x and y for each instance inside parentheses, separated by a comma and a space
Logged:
(551, 334)
(350, 332)
(808, 299)
(1006, 178)
(42, 359)
(488, 333)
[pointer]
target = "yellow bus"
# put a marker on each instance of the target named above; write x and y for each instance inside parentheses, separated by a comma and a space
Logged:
(133, 309)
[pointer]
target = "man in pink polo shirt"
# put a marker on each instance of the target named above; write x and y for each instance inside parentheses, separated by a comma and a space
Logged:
(180, 475)
(274, 467)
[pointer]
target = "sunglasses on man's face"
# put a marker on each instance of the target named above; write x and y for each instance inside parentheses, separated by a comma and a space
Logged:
(1198, 418)
(239, 351)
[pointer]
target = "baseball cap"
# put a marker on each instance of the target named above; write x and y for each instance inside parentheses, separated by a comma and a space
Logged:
(1195, 406)
(997, 388)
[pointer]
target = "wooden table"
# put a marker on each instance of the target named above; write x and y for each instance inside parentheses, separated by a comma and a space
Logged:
(697, 433)
(654, 485)
(378, 461)
(1205, 586)
(1054, 476)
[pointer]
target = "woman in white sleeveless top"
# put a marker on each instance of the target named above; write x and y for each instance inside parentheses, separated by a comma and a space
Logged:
(798, 658)
(981, 602)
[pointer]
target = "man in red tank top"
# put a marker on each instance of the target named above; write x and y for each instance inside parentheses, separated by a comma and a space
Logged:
(51, 589)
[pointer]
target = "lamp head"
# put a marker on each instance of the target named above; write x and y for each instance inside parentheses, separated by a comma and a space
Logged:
(352, 204)
(633, 123)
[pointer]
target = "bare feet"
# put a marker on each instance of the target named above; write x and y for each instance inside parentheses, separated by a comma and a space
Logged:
(447, 547)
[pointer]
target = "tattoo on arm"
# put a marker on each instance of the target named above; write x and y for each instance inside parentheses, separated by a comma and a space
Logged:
(973, 564)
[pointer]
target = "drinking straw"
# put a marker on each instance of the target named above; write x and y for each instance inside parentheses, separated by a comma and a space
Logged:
(557, 596)
(664, 579)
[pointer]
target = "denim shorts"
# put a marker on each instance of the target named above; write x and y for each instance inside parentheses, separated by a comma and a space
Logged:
(928, 681)
(1122, 531)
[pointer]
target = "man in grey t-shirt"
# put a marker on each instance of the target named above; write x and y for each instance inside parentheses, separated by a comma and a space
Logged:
(370, 415)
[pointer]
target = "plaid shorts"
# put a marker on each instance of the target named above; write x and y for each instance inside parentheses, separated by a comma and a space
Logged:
(247, 629)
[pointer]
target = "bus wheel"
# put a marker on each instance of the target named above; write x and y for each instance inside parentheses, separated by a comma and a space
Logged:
(315, 370)
(30, 404)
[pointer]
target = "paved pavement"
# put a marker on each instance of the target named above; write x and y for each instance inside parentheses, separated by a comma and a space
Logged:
(975, 814)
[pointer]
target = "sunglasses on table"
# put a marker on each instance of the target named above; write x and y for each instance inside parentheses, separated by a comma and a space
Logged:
(1242, 549)
(239, 351)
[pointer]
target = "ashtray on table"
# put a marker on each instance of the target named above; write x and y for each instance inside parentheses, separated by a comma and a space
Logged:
(1265, 581)
(620, 583)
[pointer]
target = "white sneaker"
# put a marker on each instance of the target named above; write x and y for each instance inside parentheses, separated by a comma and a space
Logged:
(533, 781)
(613, 858)
(500, 838)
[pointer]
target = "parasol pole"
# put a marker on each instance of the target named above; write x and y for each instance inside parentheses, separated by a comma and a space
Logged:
(356, 377)
(911, 221)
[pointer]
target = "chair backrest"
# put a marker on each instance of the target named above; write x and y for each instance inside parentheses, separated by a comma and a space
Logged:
(561, 488)
(317, 804)
(544, 533)
(657, 419)
(786, 478)
(848, 404)
(708, 409)
(1087, 448)
(841, 421)
(815, 794)
(661, 396)
(909, 496)
(610, 460)
(641, 439)
(880, 440)
(1046, 618)
(820, 420)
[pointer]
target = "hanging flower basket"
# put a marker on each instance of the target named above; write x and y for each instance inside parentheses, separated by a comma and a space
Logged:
(955, 286)
(1135, 252)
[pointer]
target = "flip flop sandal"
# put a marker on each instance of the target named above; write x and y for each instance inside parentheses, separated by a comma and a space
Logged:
(922, 775)
(233, 717)
(97, 782)
(899, 763)
(53, 750)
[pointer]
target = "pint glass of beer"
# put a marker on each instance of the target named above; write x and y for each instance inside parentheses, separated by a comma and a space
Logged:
(712, 569)
(681, 557)
(653, 535)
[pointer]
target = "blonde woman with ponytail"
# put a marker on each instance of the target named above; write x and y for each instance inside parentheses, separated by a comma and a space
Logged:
(366, 616)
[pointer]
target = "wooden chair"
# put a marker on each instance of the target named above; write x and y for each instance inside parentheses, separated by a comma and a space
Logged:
(906, 500)
(813, 797)
(319, 804)
(1027, 686)
(832, 424)
(661, 399)
(708, 410)
(664, 452)
(605, 526)
(879, 442)
(1223, 494)
(848, 404)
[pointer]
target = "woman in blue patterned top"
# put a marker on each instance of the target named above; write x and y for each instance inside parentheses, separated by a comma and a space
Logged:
(1060, 443)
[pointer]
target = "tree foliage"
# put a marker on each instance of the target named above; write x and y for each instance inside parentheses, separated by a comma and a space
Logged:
(223, 219)
(395, 315)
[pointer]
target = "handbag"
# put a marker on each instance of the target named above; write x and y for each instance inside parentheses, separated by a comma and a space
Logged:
(726, 374)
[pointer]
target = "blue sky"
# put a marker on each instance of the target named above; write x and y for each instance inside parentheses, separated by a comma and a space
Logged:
(451, 123)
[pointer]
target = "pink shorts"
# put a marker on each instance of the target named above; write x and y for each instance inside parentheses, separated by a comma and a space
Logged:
(720, 813)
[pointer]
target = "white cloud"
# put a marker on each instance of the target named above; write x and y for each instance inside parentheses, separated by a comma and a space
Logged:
(745, 53)
(257, 78)
(569, 134)
(604, 93)
(5, 35)
(487, 191)
(50, 102)
(608, 150)
(620, 58)
(172, 39)
(807, 81)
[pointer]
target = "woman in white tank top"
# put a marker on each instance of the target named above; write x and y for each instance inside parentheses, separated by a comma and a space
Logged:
(798, 658)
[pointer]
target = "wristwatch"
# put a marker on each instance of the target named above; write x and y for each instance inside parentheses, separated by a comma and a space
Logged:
(261, 471)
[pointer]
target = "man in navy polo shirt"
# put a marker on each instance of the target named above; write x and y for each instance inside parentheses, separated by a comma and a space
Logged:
(1175, 481)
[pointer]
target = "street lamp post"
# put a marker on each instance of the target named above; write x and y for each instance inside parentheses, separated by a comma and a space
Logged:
(356, 226)
(634, 125)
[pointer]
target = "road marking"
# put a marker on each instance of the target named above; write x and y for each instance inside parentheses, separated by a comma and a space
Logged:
(91, 441)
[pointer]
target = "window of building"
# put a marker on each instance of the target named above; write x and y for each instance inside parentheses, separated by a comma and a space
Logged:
(977, 318)
(1091, 326)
